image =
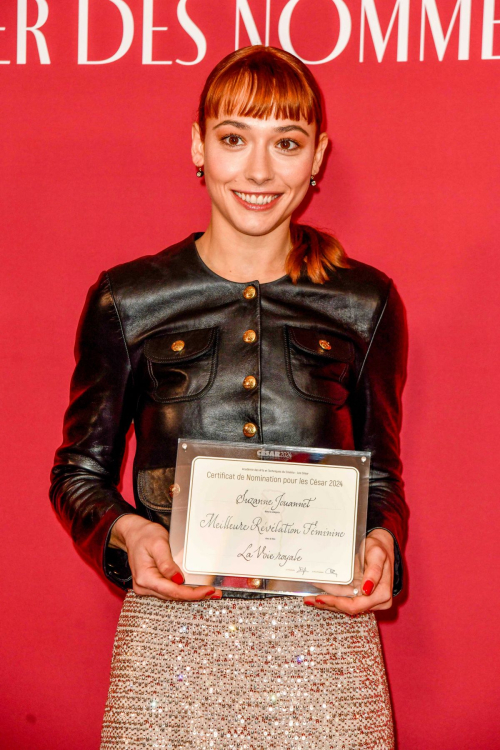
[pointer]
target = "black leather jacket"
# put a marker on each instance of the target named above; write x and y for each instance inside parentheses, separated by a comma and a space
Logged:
(347, 397)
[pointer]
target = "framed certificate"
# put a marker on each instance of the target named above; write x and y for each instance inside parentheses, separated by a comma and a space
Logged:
(278, 519)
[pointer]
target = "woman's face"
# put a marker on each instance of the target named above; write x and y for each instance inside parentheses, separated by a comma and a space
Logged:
(257, 171)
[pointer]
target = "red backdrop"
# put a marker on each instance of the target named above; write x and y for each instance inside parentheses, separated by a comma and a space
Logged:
(96, 170)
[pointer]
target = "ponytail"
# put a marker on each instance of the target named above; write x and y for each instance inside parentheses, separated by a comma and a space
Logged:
(314, 253)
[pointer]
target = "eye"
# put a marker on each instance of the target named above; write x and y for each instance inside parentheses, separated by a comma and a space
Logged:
(286, 144)
(232, 139)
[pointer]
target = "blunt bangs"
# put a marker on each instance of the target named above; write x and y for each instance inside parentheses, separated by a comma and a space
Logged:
(262, 84)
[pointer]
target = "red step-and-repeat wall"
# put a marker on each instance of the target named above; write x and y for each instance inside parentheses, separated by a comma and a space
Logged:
(97, 99)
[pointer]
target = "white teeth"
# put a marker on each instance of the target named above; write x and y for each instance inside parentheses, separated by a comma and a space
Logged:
(257, 200)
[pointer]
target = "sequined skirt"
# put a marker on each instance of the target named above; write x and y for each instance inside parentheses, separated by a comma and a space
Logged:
(245, 674)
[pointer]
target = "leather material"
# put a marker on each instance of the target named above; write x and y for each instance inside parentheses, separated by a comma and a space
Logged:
(347, 396)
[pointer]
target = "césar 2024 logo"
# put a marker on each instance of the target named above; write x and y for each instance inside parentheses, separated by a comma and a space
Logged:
(262, 453)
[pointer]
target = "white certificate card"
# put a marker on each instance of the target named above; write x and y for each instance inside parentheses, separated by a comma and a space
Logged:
(271, 519)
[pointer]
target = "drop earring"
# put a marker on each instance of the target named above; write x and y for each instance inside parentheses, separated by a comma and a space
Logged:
(200, 172)
(312, 181)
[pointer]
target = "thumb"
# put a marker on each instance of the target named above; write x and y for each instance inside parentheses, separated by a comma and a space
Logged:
(374, 566)
(162, 557)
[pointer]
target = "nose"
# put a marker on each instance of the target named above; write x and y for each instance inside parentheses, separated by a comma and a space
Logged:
(259, 168)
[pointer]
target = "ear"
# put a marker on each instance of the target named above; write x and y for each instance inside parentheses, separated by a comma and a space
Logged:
(319, 153)
(197, 146)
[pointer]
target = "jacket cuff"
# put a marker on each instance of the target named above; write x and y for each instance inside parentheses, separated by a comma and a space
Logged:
(115, 561)
(397, 584)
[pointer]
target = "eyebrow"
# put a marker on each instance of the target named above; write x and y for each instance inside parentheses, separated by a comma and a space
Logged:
(244, 126)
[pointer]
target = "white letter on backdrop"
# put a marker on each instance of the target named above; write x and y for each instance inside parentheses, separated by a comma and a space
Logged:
(83, 33)
(489, 22)
(402, 8)
(147, 36)
(440, 41)
(243, 10)
(193, 31)
(344, 31)
(23, 28)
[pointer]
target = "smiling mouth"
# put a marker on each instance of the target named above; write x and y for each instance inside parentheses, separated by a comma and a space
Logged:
(257, 201)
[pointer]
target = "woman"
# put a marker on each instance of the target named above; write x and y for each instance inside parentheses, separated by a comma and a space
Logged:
(217, 338)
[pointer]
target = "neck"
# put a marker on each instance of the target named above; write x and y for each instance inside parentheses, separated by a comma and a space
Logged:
(243, 257)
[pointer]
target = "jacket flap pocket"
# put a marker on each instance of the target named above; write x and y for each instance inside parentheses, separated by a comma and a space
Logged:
(153, 486)
(180, 346)
(323, 343)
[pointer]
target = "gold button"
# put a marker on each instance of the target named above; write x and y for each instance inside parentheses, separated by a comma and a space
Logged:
(249, 429)
(249, 382)
(174, 489)
(254, 583)
(249, 336)
(325, 344)
(249, 292)
(178, 346)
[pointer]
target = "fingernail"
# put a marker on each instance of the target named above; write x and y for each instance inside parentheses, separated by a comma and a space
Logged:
(309, 604)
(216, 596)
(368, 587)
(178, 578)
(208, 595)
(320, 600)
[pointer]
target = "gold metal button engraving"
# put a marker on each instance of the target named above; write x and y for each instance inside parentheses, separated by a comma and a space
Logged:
(178, 346)
(325, 344)
(249, 336)
(254, 583)
(249, 292)
(249, 429)
(249, 382)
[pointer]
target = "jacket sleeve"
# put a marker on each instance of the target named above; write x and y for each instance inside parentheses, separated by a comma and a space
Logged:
(377, 424)
(86, 469)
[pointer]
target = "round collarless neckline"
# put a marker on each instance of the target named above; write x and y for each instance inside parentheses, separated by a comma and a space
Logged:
(196, 236)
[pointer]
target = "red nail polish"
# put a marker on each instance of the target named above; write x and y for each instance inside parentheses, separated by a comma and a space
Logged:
(320, 601)
(216, 596)
(368, 587)
(309, 604)
(178, 578)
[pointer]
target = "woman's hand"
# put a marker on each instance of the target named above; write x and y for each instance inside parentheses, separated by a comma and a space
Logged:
(377, 579)
(154, 572)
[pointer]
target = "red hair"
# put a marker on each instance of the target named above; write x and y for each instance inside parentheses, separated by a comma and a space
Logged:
(264, 82)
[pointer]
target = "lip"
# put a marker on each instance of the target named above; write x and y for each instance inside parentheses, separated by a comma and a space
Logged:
(254, 206)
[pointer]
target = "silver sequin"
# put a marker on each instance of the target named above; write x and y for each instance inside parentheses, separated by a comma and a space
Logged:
(224, 683)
